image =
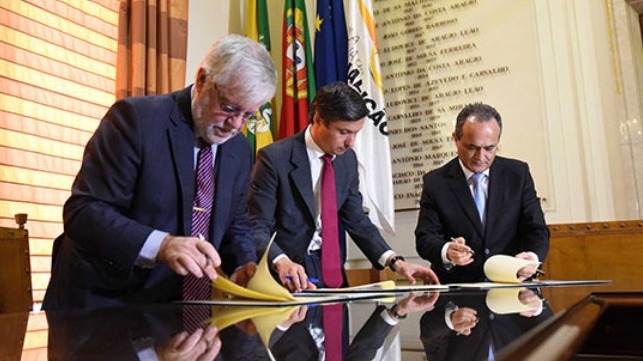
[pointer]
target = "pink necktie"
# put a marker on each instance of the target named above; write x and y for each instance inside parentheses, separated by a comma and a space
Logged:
(332, 321)
(330, 264)
(199, 288)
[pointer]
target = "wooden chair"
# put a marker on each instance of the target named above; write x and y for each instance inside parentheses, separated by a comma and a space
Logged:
(15, 270)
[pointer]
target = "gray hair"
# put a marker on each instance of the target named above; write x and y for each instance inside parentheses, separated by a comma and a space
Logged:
(242, 66)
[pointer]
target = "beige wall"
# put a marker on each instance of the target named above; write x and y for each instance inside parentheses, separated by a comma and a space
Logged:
(591, 72)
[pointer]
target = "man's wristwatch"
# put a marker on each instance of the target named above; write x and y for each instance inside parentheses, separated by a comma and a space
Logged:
(395, 314)
(394, 260)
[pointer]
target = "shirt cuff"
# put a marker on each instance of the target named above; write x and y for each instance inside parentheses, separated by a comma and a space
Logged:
(384, 257)
(147, 256)
(533, 255)
(448, 310)
(274, 261)
(445, 261)
(386, 316)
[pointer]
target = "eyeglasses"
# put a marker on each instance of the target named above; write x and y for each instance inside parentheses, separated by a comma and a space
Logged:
(232, 111)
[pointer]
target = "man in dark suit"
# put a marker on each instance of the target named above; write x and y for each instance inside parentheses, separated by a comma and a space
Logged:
(150, 332)
(285, 194)
(128, 221)
(303, 336)
(462, 327)
(452, 233)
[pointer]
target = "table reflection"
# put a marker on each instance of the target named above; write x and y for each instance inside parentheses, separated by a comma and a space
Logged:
(463, 325)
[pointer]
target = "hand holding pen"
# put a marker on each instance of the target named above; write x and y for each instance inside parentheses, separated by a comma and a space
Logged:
(459, 253)
(185, 255)
(293, 275)
(212, 260)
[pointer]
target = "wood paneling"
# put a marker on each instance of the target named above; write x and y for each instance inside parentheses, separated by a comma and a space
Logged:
(596, 250)
(15, 271)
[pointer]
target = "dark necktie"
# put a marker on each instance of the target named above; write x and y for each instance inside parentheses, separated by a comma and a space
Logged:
(330, 264)
(199, 288)
(478, 194)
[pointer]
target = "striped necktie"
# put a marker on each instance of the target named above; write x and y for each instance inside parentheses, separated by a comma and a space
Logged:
(199, 288)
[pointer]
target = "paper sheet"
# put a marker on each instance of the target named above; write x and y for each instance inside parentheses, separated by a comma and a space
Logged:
(385, 286)
(262, 286)
(265, 319)
(504, 269)
(504, 301)
(549, 283)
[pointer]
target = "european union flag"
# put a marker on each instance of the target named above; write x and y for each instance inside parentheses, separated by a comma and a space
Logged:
(331, 43)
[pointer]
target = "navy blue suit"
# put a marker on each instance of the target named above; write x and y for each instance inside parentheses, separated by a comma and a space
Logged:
(138, 175)
(281, 200)
(514, 217)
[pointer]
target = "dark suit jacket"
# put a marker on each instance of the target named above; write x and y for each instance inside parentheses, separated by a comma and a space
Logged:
(281, 200)
(110, 333)
(441, 343)
(297, 343)
(137, 175)
(514, 223)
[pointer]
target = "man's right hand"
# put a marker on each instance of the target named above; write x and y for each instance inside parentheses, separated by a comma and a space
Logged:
(200, 345)
(292, 275)
(459, 253)
(189, 255)
(464, 319)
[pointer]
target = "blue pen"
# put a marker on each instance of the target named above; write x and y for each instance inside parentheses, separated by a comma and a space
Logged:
(310, 279)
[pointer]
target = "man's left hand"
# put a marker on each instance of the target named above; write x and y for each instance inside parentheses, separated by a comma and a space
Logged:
(244, 273)
(529, 270)
(413, 270)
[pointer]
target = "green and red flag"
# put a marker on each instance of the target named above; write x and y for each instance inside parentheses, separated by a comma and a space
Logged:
(298, 86)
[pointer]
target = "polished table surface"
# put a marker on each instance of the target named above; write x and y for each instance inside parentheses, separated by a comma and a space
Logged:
(453, 325)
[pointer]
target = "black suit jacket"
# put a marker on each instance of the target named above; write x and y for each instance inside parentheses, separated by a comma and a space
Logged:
(281, 200)
(514, 223)
(110, 333)
(137, 176)
(442, 343)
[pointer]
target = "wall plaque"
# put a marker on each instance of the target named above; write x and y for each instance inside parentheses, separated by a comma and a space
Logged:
(439, 55)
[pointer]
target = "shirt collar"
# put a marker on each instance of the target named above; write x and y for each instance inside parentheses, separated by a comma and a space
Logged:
(314, 151)
(468, 173)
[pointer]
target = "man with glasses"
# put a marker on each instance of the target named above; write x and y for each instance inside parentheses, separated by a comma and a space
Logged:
(129, 231)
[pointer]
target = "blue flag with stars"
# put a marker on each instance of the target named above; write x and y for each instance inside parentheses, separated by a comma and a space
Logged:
(331, 43)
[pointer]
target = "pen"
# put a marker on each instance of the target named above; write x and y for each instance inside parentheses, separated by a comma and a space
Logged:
(206, 257)
(470, 250)
(309, 279)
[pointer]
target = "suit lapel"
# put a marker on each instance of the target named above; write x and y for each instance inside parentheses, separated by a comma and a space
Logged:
(224, 181)
(342, 175)
(300, 173)
(495, 178)
(181, 139)
(462, 193)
